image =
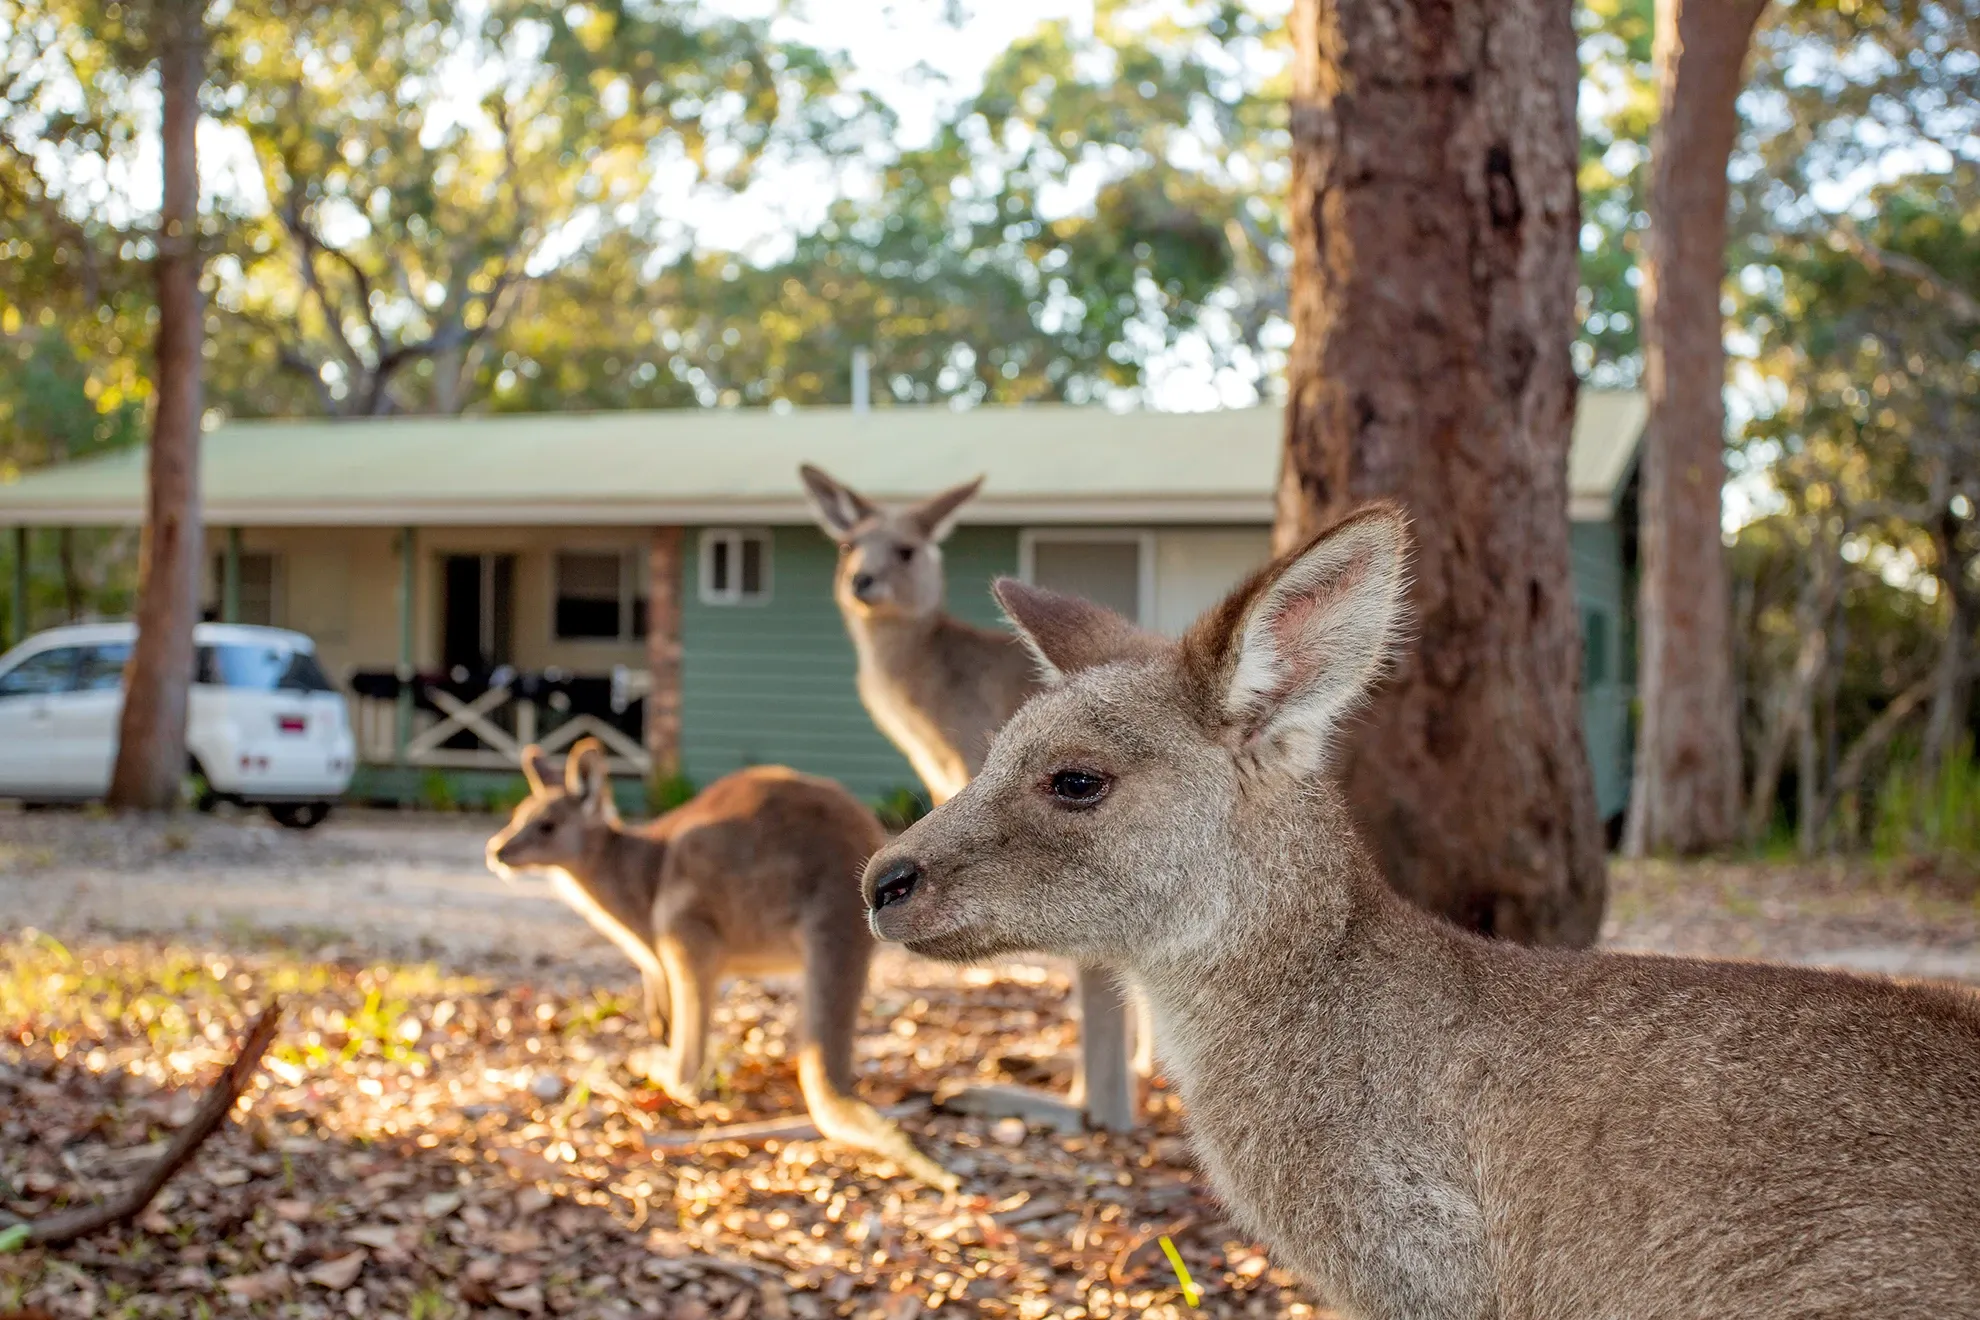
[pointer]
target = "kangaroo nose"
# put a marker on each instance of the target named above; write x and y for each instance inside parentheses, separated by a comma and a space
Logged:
(894, 884)
(862, 583)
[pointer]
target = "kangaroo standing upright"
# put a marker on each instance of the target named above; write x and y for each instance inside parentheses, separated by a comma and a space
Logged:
(940, 688)
(757, 874)
(1425, 1124)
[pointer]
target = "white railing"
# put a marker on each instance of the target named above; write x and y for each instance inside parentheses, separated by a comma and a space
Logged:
(495, 747)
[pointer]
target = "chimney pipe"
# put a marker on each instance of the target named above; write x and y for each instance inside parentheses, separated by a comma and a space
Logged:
(862, 380)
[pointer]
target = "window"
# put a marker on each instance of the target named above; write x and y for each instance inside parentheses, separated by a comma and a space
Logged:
(258, 593)
(1594, 648)
(101, 668)
(42, 674)
(599, 597)
(735, 567)
(1111, 568)
(258, 668)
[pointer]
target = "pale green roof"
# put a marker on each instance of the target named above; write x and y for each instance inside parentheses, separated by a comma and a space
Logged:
(1045, 464)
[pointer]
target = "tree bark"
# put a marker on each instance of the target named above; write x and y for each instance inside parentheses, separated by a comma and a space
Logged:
(1685, 792)
(1434, 229)
(151, 749)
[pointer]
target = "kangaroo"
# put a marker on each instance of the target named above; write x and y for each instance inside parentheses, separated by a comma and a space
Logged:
(1425, 1124)
(940, 688)
(757, 874)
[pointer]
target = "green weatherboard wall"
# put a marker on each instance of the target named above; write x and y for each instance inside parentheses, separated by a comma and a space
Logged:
(772, 683)
(1607, 671)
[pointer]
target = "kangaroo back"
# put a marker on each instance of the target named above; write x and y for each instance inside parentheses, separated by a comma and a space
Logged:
(758, 873)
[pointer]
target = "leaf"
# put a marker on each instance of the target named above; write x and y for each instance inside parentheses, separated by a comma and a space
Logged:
(1191, 1293)
(339, 1272)
(13, 1238)
(258, 1287)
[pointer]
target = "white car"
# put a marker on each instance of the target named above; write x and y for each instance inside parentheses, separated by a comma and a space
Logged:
(264, 728)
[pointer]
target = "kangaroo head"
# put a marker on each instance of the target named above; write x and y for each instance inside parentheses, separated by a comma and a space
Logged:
(559, 820)
(1141, 799)
(890, 560)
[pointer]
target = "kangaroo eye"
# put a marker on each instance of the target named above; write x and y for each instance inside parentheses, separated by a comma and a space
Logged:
(904, 553)
(1079, 788)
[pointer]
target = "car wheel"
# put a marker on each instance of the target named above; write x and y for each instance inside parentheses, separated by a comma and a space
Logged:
(299, 815)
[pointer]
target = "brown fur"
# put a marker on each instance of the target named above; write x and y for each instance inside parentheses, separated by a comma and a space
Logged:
(1423, 1123)
(755, 875)
(940, 689)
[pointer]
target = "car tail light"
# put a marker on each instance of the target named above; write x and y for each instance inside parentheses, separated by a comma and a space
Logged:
(292, 723)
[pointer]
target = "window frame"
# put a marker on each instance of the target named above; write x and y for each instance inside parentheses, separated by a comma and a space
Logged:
(1142, 538)
(705, 566)
(630, 564)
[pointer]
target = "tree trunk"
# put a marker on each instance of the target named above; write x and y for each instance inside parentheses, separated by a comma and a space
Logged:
(1685, 792)
(1793, 713)
(1945, 726)
(1434, 227)
(151, 750)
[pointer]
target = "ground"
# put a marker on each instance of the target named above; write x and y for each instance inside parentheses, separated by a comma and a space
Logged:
(445, 1126)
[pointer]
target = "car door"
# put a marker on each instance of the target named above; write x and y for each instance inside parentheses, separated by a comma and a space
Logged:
(87, 718)
(28, 691)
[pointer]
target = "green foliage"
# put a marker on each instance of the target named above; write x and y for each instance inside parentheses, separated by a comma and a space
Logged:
(665, 792)
(436, 792)
(1920, 812)
(1618, 107)
(901, 807)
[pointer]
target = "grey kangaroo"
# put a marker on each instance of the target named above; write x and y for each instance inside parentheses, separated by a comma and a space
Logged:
(1425, 1124)
(940, 688)
(758, 874)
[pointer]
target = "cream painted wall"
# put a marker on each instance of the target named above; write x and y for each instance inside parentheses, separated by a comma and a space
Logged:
(340, 585)
(1195, 567)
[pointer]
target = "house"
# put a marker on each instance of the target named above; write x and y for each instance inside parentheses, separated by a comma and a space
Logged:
(479, 582)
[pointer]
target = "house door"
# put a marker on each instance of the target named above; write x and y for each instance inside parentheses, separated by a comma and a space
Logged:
(477, 612)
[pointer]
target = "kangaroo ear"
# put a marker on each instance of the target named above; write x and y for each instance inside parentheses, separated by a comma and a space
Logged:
(588, 778)
(839, 508)
(1066, 634)
(1289, 653)
(936, 515)
(536, 769)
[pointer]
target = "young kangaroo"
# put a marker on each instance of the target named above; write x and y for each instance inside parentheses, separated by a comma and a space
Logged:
(757, 875)
(940, 688)
(1425, 1124)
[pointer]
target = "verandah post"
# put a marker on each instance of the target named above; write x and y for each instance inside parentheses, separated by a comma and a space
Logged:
(663, 655)
(230, 578)
(20, 622)
(408, 575)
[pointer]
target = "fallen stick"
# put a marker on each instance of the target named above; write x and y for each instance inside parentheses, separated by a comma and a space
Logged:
(214, 1106)
(767, 1129)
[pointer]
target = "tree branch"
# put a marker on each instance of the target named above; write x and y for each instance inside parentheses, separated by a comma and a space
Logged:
(68, 1225)
(1930, 284)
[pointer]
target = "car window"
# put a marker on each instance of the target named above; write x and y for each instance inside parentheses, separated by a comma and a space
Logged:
(305, 674)
(41, 674)
(254, 667)
(101, 668)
